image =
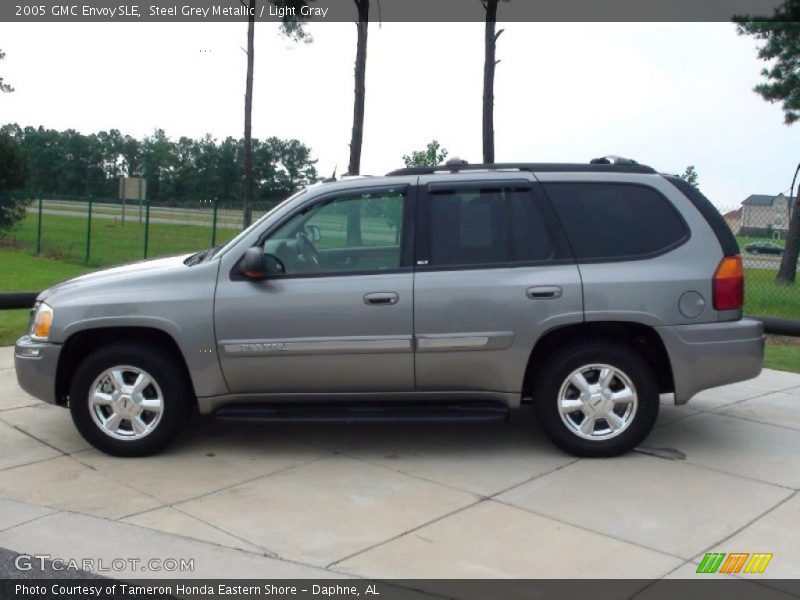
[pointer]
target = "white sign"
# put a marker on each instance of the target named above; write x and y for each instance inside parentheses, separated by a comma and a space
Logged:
(132, 188)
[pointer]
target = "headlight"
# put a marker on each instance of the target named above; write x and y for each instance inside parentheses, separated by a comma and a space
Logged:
(41, 322)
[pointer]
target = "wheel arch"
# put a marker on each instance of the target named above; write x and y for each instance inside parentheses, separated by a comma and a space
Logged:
(80, 344)
(642, 338)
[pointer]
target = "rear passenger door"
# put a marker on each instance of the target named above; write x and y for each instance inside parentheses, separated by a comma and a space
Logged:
(492, 274)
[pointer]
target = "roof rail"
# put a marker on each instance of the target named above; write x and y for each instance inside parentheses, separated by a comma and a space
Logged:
(532, 167)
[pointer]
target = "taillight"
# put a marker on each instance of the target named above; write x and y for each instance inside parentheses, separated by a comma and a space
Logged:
(729, 284)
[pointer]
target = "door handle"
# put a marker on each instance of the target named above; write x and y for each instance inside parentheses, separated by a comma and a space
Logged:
(381, 298)
(544, 292)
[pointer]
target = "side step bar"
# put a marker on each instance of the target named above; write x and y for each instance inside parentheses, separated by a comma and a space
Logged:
(363, 412)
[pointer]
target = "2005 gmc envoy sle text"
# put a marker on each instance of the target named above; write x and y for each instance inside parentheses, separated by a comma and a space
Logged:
(451, 292)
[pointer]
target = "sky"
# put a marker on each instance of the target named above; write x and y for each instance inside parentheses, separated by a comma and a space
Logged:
(665, 94)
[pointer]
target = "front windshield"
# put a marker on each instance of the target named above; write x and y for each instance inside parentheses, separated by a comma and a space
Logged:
(257, 223)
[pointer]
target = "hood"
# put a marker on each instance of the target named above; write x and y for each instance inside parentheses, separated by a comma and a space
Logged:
(123, 272)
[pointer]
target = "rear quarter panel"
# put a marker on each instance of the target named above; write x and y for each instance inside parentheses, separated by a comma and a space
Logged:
(648, 291)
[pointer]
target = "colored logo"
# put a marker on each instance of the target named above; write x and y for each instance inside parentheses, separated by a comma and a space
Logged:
(734, 562)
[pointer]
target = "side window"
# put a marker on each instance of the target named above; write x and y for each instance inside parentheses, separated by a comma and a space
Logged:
(616, 221)
(356, 232)
(532, 239)
(473, 227)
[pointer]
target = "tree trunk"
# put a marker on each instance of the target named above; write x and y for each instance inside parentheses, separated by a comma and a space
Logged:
(354, 168)
(787, 273)
(489, 63)
(249, 181)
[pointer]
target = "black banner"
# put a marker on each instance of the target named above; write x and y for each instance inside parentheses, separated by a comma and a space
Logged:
(329, 11)
(349, 589)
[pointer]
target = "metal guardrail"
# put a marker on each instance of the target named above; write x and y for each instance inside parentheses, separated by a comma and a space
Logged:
(790, 327)
(10, 300)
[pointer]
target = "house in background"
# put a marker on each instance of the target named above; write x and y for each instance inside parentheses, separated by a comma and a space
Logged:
(765, 215)
(734, 220)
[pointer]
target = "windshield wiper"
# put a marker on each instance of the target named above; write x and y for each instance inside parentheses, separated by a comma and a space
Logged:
(196, 259)
(212, 252)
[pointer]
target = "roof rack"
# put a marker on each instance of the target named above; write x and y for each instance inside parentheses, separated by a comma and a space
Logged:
(619, 167)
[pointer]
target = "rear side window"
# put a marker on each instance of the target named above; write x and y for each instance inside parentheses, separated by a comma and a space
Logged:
(471, 227)
(730, 247)
(611, 221)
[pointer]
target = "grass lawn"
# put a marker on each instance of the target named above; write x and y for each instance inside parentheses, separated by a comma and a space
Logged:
(762, 296)
(782, 357)
(743, 240)
(765, 299)
(22, 272)
(64, 237)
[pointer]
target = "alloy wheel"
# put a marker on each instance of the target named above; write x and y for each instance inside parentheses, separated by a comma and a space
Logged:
(597, 402)
(126, 403)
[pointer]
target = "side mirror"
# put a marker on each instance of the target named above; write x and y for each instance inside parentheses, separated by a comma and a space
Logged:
(313, 232)
(258, 265)
(253, 265)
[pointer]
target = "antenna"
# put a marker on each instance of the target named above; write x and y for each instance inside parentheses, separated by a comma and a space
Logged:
(332, 178)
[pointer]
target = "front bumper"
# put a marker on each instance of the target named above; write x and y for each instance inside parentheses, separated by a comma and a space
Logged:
(36, 364)
(708, 355)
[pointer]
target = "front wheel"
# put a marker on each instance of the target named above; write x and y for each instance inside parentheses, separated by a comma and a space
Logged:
(129, 399)
(596, 399)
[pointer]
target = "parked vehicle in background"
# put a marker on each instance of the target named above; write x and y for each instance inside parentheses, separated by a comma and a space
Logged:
(763, 248)
(451, 292)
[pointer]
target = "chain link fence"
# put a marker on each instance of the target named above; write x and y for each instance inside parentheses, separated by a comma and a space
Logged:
(760, 225)
(105, 231)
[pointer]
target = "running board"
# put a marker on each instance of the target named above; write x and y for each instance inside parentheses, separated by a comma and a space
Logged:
(372, 413)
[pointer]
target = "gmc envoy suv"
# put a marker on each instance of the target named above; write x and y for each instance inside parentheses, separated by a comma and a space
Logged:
(450, 292)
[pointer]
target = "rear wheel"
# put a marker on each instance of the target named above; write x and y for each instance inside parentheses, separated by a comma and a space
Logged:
(129, 399)
(596, 399)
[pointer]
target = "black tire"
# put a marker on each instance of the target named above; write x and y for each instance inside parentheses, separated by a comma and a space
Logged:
(162, 367)
(561, 365)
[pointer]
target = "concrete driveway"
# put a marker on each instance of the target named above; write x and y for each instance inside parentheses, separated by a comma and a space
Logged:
(413, 500)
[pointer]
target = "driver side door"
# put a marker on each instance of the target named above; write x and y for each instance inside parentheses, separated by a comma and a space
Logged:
(340, 318)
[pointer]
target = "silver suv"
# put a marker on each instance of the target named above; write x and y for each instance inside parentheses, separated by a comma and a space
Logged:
(453, 292)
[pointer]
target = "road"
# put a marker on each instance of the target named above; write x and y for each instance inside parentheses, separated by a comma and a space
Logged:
(761, 261)
(201, 215)
(153, 219)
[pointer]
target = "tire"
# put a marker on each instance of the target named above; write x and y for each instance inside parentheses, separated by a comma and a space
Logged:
(138, 422)
(634, 402)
